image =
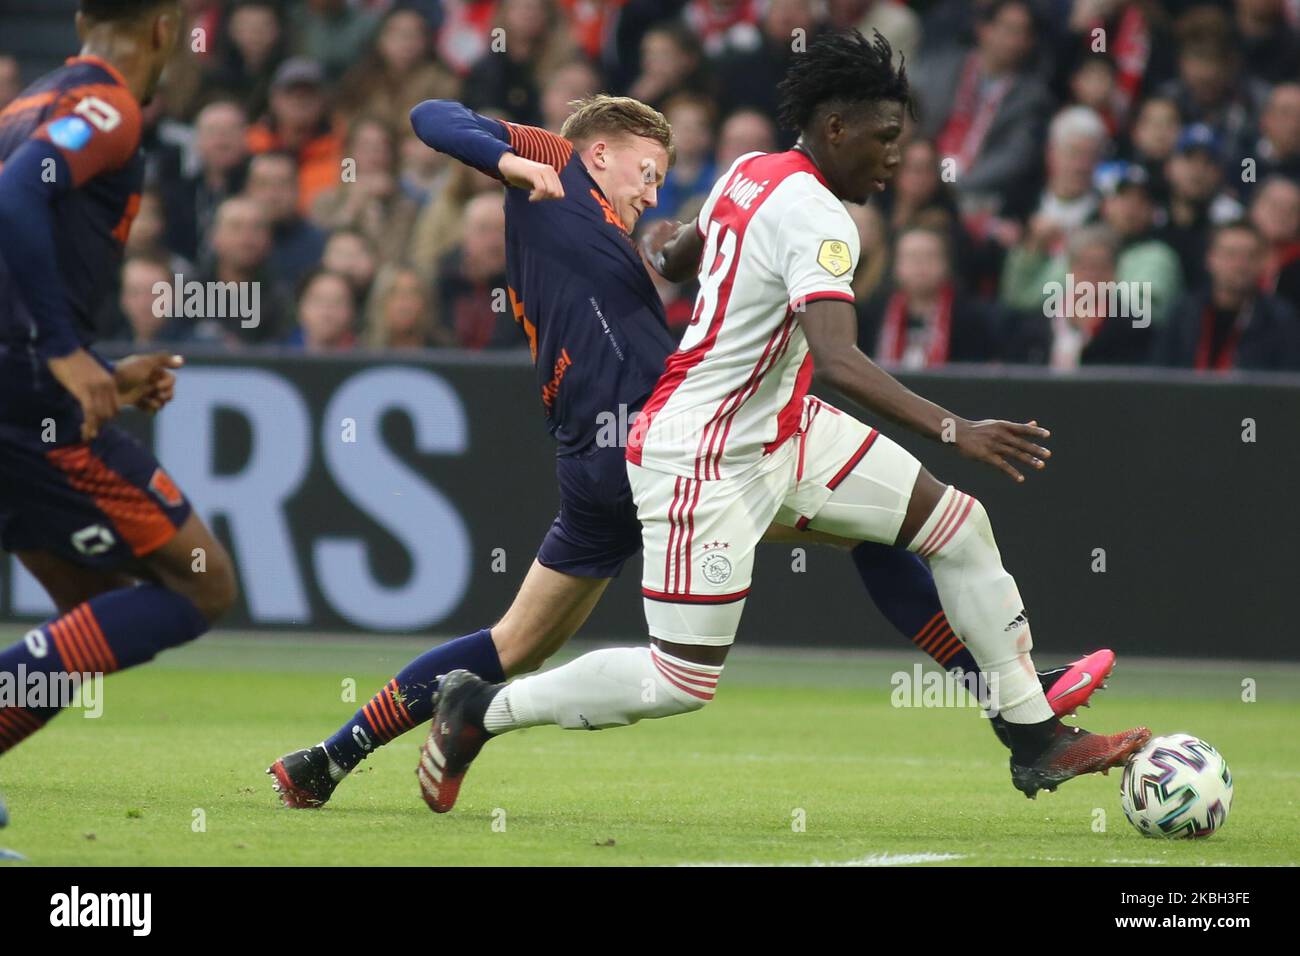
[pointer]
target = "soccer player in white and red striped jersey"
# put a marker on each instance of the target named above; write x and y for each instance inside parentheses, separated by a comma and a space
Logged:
(730, 443)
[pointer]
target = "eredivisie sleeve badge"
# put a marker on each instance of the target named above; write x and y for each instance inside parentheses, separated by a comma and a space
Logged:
(833, 256)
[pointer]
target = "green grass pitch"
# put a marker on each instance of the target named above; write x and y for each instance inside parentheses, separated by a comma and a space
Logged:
(801, 759)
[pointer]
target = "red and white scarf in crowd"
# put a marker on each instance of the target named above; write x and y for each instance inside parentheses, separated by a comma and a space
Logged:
(1227, 355)
(1131, 51)
(892, 346)
(1072, 331)
(1279, 258)
(463, 37)
(711, 24)
(971, 115)
(590, 22)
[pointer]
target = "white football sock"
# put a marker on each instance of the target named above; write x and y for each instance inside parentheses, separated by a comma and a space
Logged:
(982, 603)
(606, 688)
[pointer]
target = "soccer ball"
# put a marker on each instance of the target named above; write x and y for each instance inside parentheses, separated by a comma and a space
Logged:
(1177, 786)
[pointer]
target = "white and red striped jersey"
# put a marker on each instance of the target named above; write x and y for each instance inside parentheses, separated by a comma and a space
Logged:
(775, 237)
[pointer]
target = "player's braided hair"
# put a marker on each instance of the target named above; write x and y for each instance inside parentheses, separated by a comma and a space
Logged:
(840, 70)
(110, 10)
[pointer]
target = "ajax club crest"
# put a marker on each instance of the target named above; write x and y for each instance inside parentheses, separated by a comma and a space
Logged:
(715, 566)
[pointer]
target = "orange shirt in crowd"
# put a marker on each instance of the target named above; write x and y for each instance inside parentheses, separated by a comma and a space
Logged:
(319, 161)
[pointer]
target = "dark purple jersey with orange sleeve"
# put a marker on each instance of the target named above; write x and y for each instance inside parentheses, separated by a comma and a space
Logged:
(70, 180)
(69, 188)
(577, 286)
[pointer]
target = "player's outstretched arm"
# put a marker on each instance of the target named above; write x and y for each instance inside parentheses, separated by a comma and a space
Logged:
(522, 156)
(830, 326)
(455, 129)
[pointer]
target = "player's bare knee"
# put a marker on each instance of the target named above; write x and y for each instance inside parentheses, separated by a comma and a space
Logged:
(927, 494)
(709, 655)
(224, 593)
(682, 685)
(212, 585)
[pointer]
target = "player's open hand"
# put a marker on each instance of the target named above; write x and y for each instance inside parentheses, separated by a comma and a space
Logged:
(999, 443)
(147, 381)
(541, 179)
(91, 385)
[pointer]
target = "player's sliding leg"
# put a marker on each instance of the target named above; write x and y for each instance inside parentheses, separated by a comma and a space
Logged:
(549, 609)
(612, 687)
(592, 537)
(67, 585)
(952, 532)
(699, 539)
(902, 588)
(191, 584)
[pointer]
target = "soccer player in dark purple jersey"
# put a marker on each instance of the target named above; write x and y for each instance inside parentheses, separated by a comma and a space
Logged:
(131, 569)
(596, 327)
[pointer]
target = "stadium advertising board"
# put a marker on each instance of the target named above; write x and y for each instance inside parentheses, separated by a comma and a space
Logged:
(410, 497)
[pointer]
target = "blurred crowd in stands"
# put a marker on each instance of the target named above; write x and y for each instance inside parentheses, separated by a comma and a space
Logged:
(1083, 182)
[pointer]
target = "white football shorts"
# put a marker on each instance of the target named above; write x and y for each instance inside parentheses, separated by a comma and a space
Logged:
(835, 474)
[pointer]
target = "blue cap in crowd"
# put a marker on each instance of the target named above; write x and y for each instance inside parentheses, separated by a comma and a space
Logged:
(1110, 178)
(1199, 136)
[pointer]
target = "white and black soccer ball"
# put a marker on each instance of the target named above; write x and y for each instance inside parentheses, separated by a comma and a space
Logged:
(1177, 786)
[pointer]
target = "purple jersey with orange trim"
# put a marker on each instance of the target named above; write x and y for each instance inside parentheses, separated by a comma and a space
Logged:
(85, 111)
(577, 286)
(593, 317)
(107, 502)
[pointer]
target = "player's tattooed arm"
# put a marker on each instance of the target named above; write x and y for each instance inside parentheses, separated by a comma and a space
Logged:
(830, 327)
(673, 249)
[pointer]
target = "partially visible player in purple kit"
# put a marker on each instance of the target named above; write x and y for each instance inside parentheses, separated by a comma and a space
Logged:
(85, 507)
(596, 327)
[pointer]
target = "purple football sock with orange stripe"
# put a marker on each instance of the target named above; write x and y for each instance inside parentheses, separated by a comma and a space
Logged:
(902, 587)
(406, 701)
(110, 632)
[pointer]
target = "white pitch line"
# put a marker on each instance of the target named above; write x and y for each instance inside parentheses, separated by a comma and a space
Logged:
(875, 859)
(1119, 862)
